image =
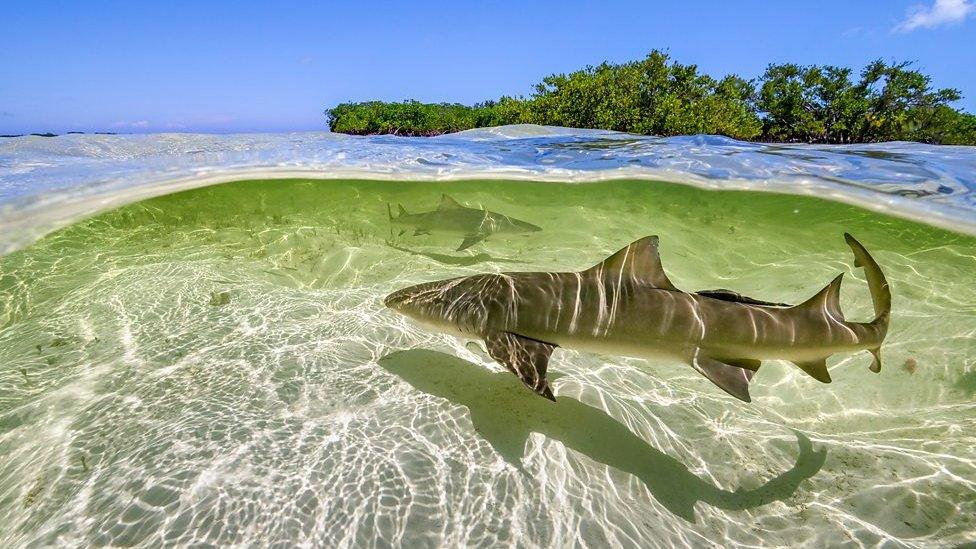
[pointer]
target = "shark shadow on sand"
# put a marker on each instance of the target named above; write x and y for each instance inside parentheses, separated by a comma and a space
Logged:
(505, 416)
(455, 260)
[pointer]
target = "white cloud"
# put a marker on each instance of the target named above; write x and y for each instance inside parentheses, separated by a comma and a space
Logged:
(941, 13)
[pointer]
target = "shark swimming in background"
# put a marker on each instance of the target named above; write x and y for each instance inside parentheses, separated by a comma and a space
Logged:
(451, 217)
(626, 305)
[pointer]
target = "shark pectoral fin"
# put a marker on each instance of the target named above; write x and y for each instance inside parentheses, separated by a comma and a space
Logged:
(816, 368)
(469, 241)
(734, 380)
(527, 358)
(749, 365)
(403, 232)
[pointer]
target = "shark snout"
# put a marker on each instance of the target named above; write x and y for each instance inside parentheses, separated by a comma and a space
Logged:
(414, 301)
(397, 299)
(459, 305)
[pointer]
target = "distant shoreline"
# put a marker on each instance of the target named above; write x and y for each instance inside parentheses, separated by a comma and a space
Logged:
(789, 103)
(49, 134)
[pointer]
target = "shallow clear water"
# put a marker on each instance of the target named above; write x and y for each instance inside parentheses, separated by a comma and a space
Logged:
(216, 366)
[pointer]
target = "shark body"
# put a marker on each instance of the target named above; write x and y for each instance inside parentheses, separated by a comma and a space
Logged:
(451, 217)
(626, 305)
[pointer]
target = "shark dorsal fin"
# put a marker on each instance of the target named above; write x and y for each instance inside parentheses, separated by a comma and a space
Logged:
(448, 203)
(401, 209)
(639, 261)
(735, 297)
(827, 299)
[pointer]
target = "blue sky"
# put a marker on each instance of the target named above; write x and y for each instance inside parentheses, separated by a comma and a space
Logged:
(274, 66)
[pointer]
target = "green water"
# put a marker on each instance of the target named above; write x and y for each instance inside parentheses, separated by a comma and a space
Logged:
(216, 367)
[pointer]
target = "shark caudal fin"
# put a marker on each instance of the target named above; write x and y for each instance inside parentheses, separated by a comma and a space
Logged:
(877, 283)
(880, 293)
(827, 303)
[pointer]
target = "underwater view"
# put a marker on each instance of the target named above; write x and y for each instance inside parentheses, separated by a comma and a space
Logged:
(195, 349)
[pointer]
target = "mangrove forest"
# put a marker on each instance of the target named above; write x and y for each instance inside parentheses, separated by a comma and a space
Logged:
(659, 96)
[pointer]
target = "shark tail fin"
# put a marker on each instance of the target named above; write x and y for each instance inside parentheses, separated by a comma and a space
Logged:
(880, 294)
(875, 359)
(877, 283)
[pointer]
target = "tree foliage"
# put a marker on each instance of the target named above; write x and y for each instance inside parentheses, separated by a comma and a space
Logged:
(822, 104)
(651, 96)
(658, 96)
(406, 118)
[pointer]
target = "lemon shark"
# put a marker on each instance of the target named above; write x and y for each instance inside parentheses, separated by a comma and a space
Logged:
(451, 217)
(626, 305)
